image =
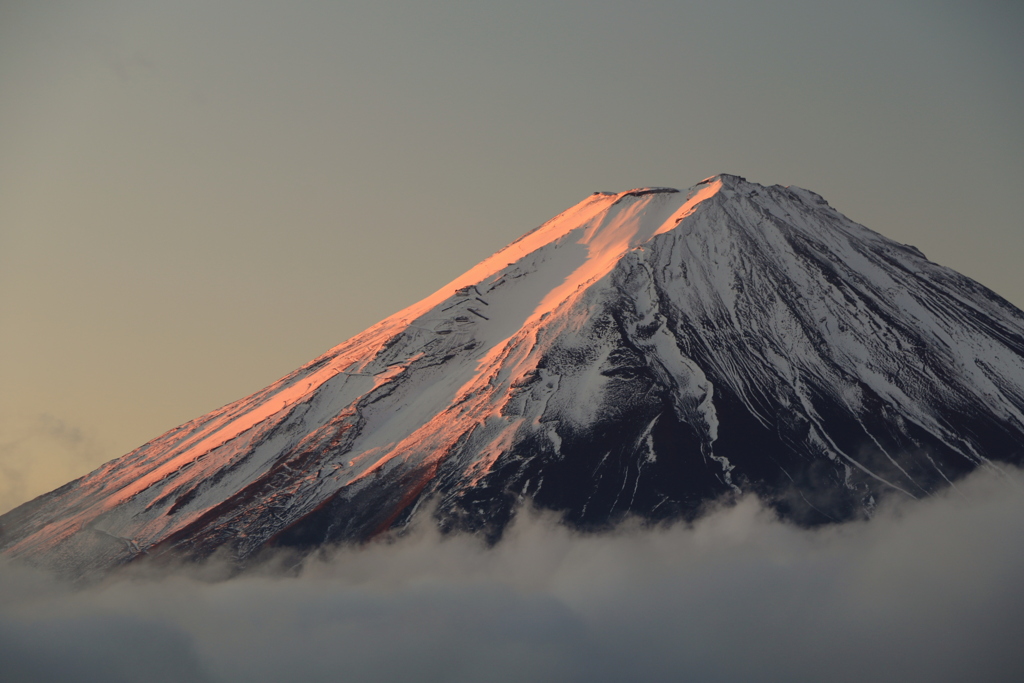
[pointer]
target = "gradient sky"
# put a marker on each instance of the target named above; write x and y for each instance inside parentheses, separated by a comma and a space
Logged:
(198, 197)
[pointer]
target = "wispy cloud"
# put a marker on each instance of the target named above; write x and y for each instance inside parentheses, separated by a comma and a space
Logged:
(926, 591)
(42, 454)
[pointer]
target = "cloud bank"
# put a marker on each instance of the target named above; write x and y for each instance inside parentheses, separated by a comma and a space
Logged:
(929, 591)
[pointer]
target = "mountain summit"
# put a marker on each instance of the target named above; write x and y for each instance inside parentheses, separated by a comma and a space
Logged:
(642, 353)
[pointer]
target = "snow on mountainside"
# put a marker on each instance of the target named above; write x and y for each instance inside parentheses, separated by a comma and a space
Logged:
(643, 352)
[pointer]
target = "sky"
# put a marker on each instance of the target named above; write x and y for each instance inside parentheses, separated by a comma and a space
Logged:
(198, 197)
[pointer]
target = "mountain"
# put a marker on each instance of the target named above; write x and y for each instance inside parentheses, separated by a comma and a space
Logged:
(644, 352)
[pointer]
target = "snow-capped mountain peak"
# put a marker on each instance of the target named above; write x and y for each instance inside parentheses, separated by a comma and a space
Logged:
(643, 352)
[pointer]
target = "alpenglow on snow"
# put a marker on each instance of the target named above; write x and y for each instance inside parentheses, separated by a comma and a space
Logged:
(642, 353)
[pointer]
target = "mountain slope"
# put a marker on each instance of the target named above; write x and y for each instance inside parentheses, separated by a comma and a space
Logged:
(643, 352)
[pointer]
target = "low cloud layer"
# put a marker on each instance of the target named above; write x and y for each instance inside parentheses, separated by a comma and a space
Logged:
(929, 591)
